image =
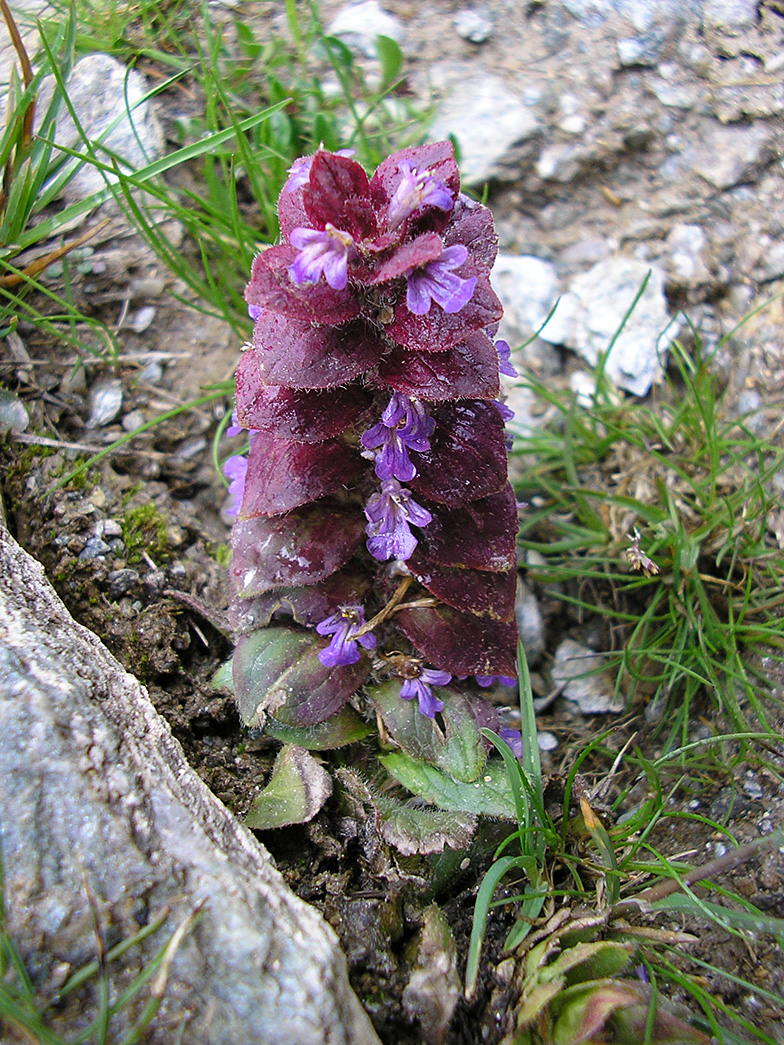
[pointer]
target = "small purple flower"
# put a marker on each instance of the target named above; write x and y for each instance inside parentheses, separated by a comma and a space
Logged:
(254, 311)
(389, 515)
(235, 469)
(420, 688)
(514, 738)
(404, 426)
(505, 359)
(489, 680)
(341, 626)
(436, 282)
(416, 189)
(321, 253)
(506, 412)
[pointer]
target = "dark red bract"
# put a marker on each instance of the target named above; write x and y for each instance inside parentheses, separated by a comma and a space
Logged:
(324, 366)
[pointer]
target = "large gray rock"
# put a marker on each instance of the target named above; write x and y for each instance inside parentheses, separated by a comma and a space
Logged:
(101, 815)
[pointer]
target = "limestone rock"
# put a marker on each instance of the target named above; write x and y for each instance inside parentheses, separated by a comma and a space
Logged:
(358, 25)
(589, 315)
(101, 814)
(109, 101)
(489, 121)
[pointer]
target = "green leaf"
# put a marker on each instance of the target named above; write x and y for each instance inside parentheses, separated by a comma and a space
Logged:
(223, 678)
(277, 671)
(414, 829)
(490, 795)
(589, 961)
(391, 59)
(459, 750)
(346, 727)
(297, 789)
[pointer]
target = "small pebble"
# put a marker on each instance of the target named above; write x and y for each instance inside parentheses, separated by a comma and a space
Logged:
(143, 319)
(474, 26)
(546, 741)
(120, 581)
(152, 373)
(106, 399)
(132, 420)
(95, 548)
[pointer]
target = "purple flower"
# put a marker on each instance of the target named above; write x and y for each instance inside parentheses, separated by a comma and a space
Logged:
(254, 311)
(321, 253)
(235, 469)
(505, 358)
(341, 626)
(404, 426)
(389, 515)
(420, 688)
(416, 189)
(488, 680)
(514, 738)
(435, 281)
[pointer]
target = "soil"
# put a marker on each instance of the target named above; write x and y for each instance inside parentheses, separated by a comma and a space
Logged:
(147, 522)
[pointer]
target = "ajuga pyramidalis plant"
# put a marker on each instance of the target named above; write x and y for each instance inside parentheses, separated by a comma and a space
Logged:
(375, 530)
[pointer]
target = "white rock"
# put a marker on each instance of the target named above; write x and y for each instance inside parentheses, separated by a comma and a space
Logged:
(530, 624)
(588, 316)
(488, 120)
(528, 289)
(729, 155)
(579, 670)
(583, 385)
(475, 26)
(730, 14)
(686, 244)
(546, 741)
(109, 102)
(360, 24)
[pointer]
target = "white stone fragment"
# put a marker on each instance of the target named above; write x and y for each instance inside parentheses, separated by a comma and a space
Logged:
(528, 289)
(109, 101)
(488, 120)
(589, 315)
(580, 671)
(359, 24)
(474, 26)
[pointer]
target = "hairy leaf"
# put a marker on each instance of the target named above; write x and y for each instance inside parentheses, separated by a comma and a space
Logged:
(438, 330)
(288, 413)
(297, 789)
(458, 749)
(339, 193)
(468, 370)
(467, 455)
(345, 727)
(306, 605)
(459, 643)
(277, 671)
(479, 536)
(300, 355)
(283, 474)
(479, 592)
(271, 288)
(304, 547)
(491, 795)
